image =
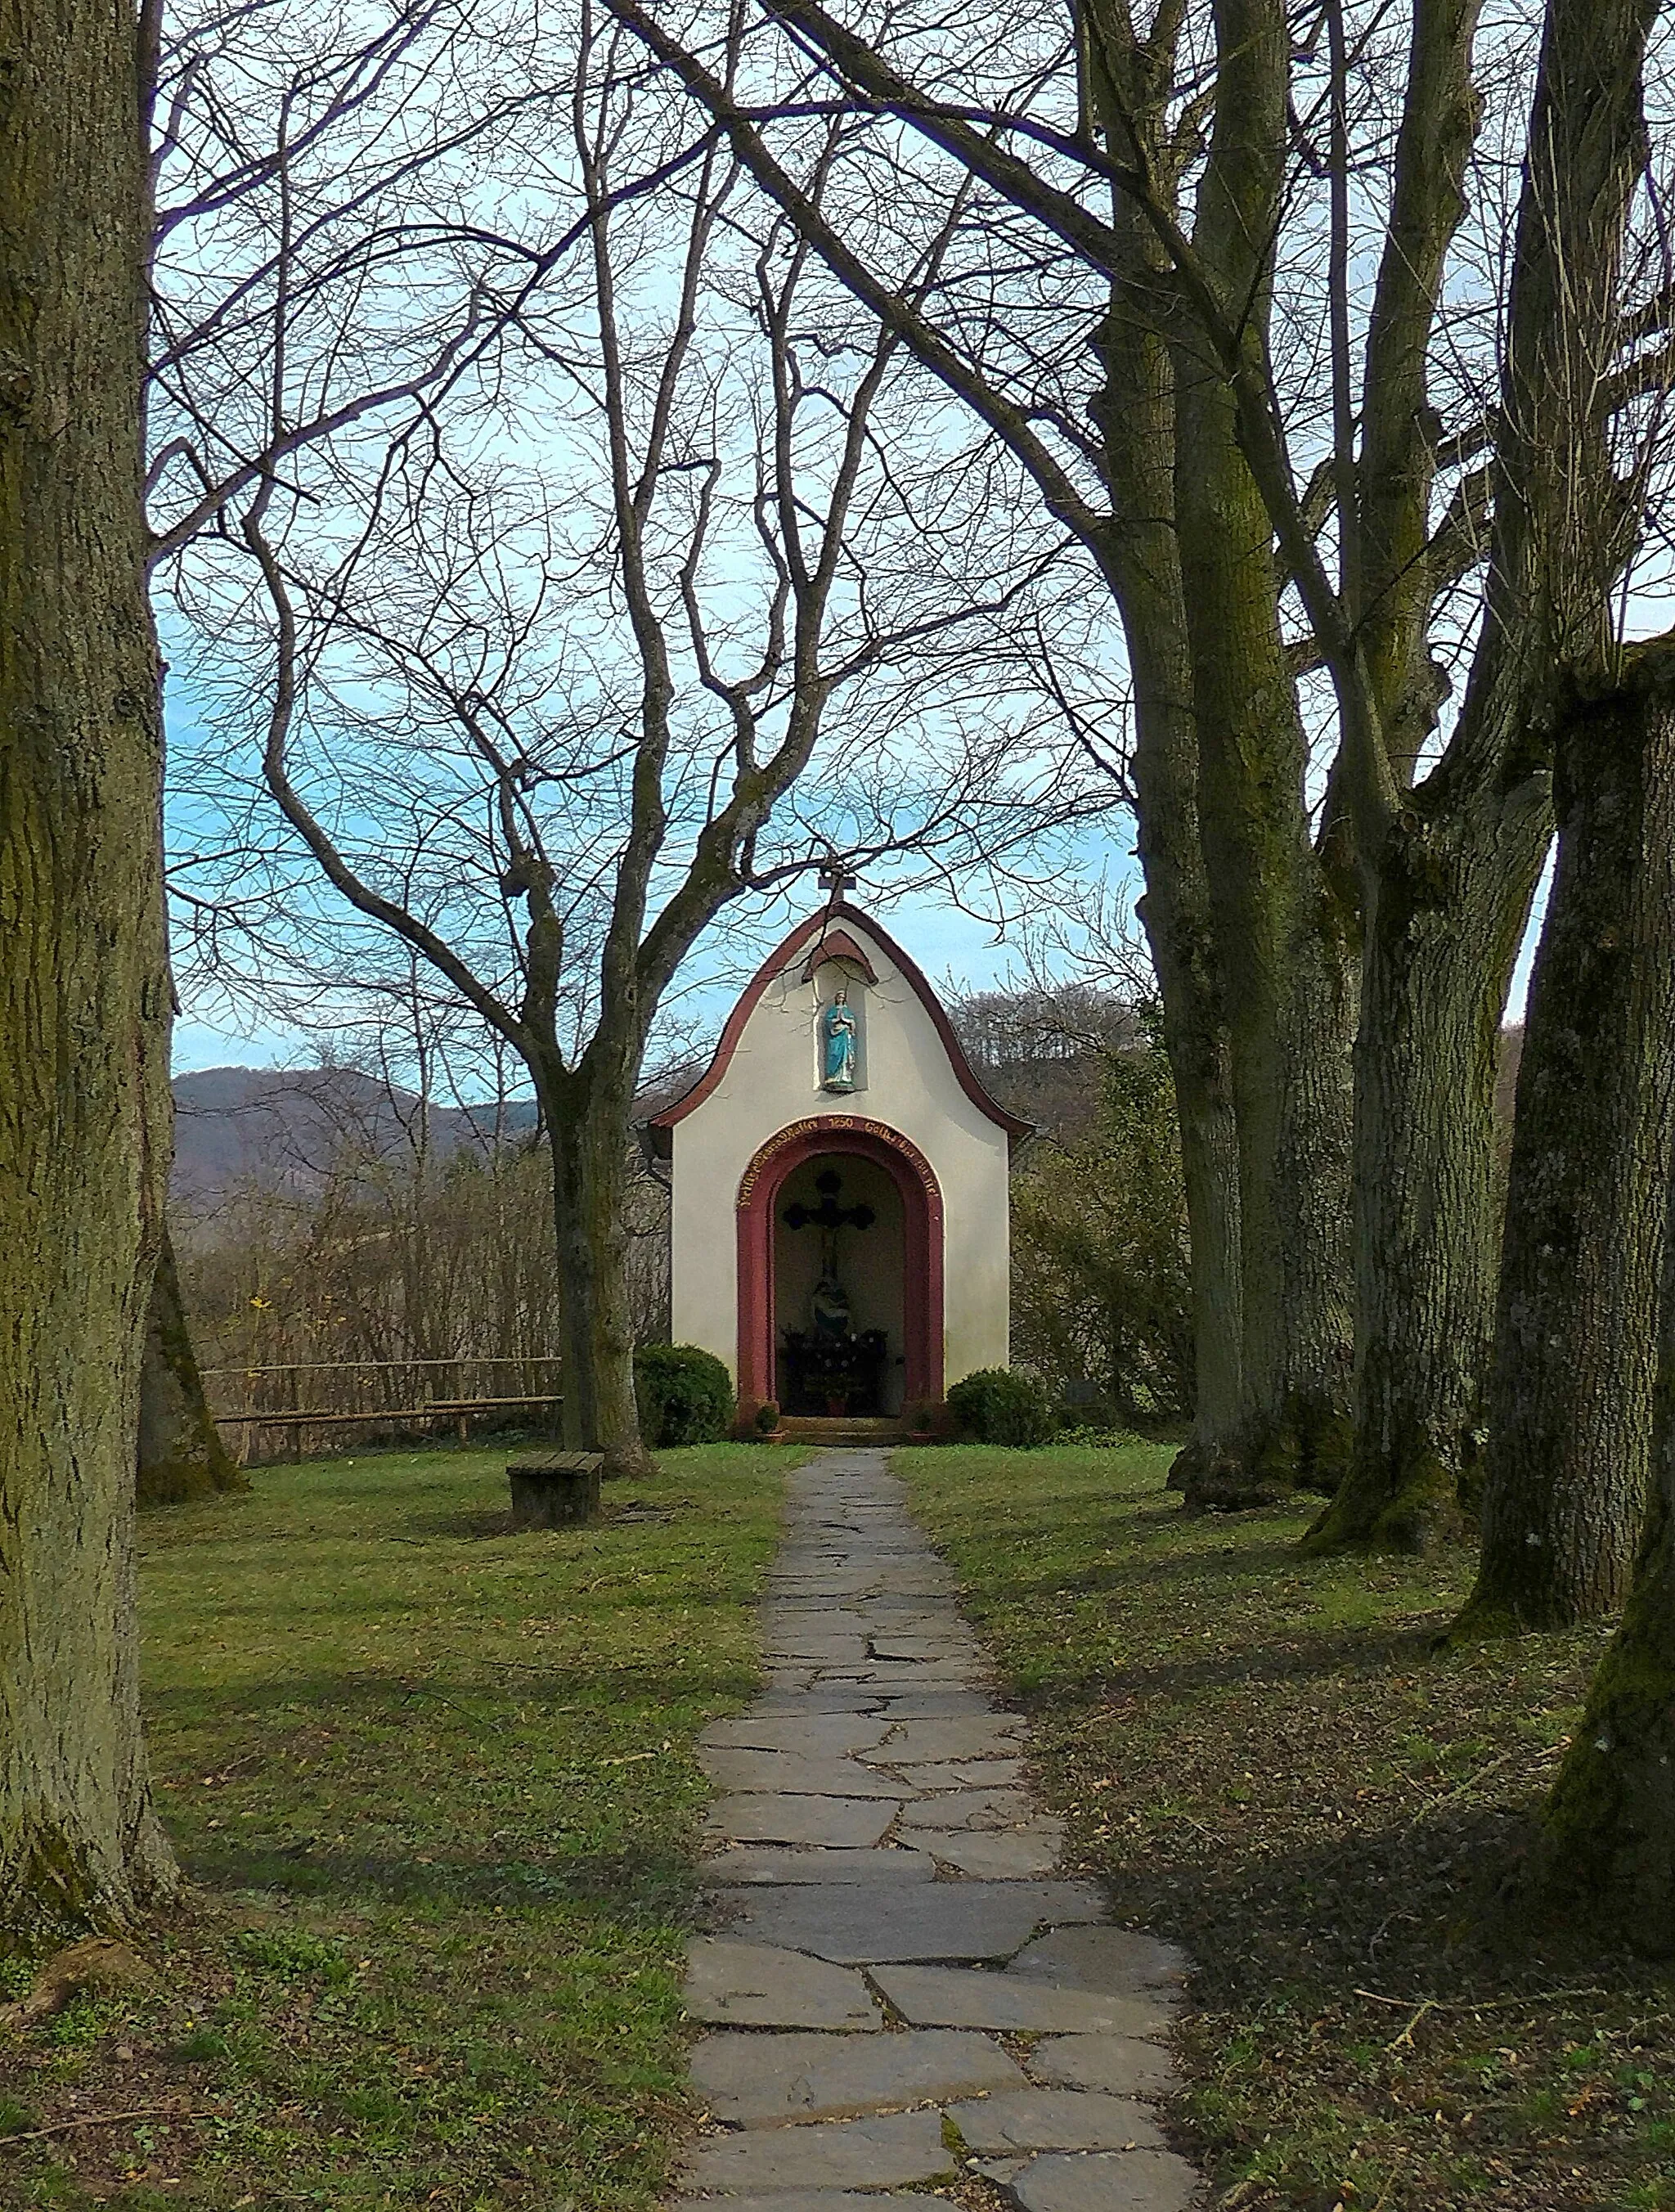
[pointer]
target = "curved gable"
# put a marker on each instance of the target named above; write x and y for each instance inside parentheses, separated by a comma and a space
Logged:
(810, 941)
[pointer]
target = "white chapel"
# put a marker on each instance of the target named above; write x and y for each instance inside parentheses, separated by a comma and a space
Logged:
(841, 1232)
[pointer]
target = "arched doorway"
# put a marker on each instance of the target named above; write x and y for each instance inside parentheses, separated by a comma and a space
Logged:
(769, 1260)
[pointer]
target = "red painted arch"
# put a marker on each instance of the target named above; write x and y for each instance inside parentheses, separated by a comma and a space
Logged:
(922, 1243)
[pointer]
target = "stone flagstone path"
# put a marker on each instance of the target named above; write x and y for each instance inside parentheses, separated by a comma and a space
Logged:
(902, 1996)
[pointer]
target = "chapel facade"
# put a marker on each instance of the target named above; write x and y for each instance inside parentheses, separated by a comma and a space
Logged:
(841, 1185)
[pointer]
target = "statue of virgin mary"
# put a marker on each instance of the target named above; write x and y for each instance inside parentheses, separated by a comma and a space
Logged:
(837, 1044)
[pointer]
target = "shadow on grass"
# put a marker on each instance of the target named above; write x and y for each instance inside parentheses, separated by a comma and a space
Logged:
(631, 1886)
(328, 1698)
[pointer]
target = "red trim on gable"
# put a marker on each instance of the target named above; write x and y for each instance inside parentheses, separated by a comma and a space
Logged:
(838, 945)
(776, 963)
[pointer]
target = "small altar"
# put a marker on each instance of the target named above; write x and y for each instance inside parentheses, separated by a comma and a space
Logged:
(834, 1375)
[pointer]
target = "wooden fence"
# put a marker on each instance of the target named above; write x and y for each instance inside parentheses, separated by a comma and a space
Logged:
(298, 1408)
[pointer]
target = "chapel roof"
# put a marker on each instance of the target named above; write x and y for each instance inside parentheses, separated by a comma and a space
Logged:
(822, 935)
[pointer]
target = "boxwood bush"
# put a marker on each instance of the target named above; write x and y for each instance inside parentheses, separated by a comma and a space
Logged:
(685, 1395)
(1002, 1406)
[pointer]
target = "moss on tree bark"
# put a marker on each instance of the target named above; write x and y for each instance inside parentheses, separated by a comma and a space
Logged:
(1607, 1841)
(181, 1455)
(1570, 1400)
(84, 996)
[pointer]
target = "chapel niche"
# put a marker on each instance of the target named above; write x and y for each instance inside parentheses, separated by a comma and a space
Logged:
(840, 1268)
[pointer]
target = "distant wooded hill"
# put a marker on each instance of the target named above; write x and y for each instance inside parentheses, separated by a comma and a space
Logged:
(292, 1126)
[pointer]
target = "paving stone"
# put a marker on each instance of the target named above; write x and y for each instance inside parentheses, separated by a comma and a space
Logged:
(1052, 2119)
(853, 1926)
(1001, 1854)
(969, 1808)
(935, 1704)
(757, 1772)
(763, 2080)
(1109, 1959)
(956, 1996)
(905, 1675)
(775, 1704)
(736, 1984)
(815, 2200)
(974, 1774)
(847, 1652)
(848, 1822)
(980, 1736)
(885, 2152)
(808, 1736)
(877, 1712)
(1106, 2181)
(1122, 2064)
(744, 1865)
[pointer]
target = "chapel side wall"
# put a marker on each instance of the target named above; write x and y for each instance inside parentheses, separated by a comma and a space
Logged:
(771, 1082)
(703, 1253)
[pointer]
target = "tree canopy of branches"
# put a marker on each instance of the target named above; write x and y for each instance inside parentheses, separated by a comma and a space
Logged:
(686, 596)
(1284, 320)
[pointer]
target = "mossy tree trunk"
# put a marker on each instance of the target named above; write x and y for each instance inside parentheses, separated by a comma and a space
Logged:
(1442, 933)
(587, 1116)
(1570, 1408)
(1451, 871)
(181, 1455)
(84, 998)
(1138, 550)
(1608, 1829)
(1283, 945)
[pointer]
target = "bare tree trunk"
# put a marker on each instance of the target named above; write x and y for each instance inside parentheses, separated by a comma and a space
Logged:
(1283, 945)
(1442, 938)
(181, 1455)
(1142, 561)
(1450, 887)
(1126, 85)
(1608, 1839)
(83, 985)
(588, 1131)
(1570, 1405)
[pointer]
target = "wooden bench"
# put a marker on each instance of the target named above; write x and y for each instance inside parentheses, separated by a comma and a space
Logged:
(553, 1490)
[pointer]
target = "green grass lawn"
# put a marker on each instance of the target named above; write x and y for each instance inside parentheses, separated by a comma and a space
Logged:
(433, 1786)
(1262, 1755)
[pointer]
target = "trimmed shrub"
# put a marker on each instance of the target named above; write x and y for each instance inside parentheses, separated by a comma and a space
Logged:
(930, 1416)
(1002, 1406)
(768, 1418)
(685, 1395)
